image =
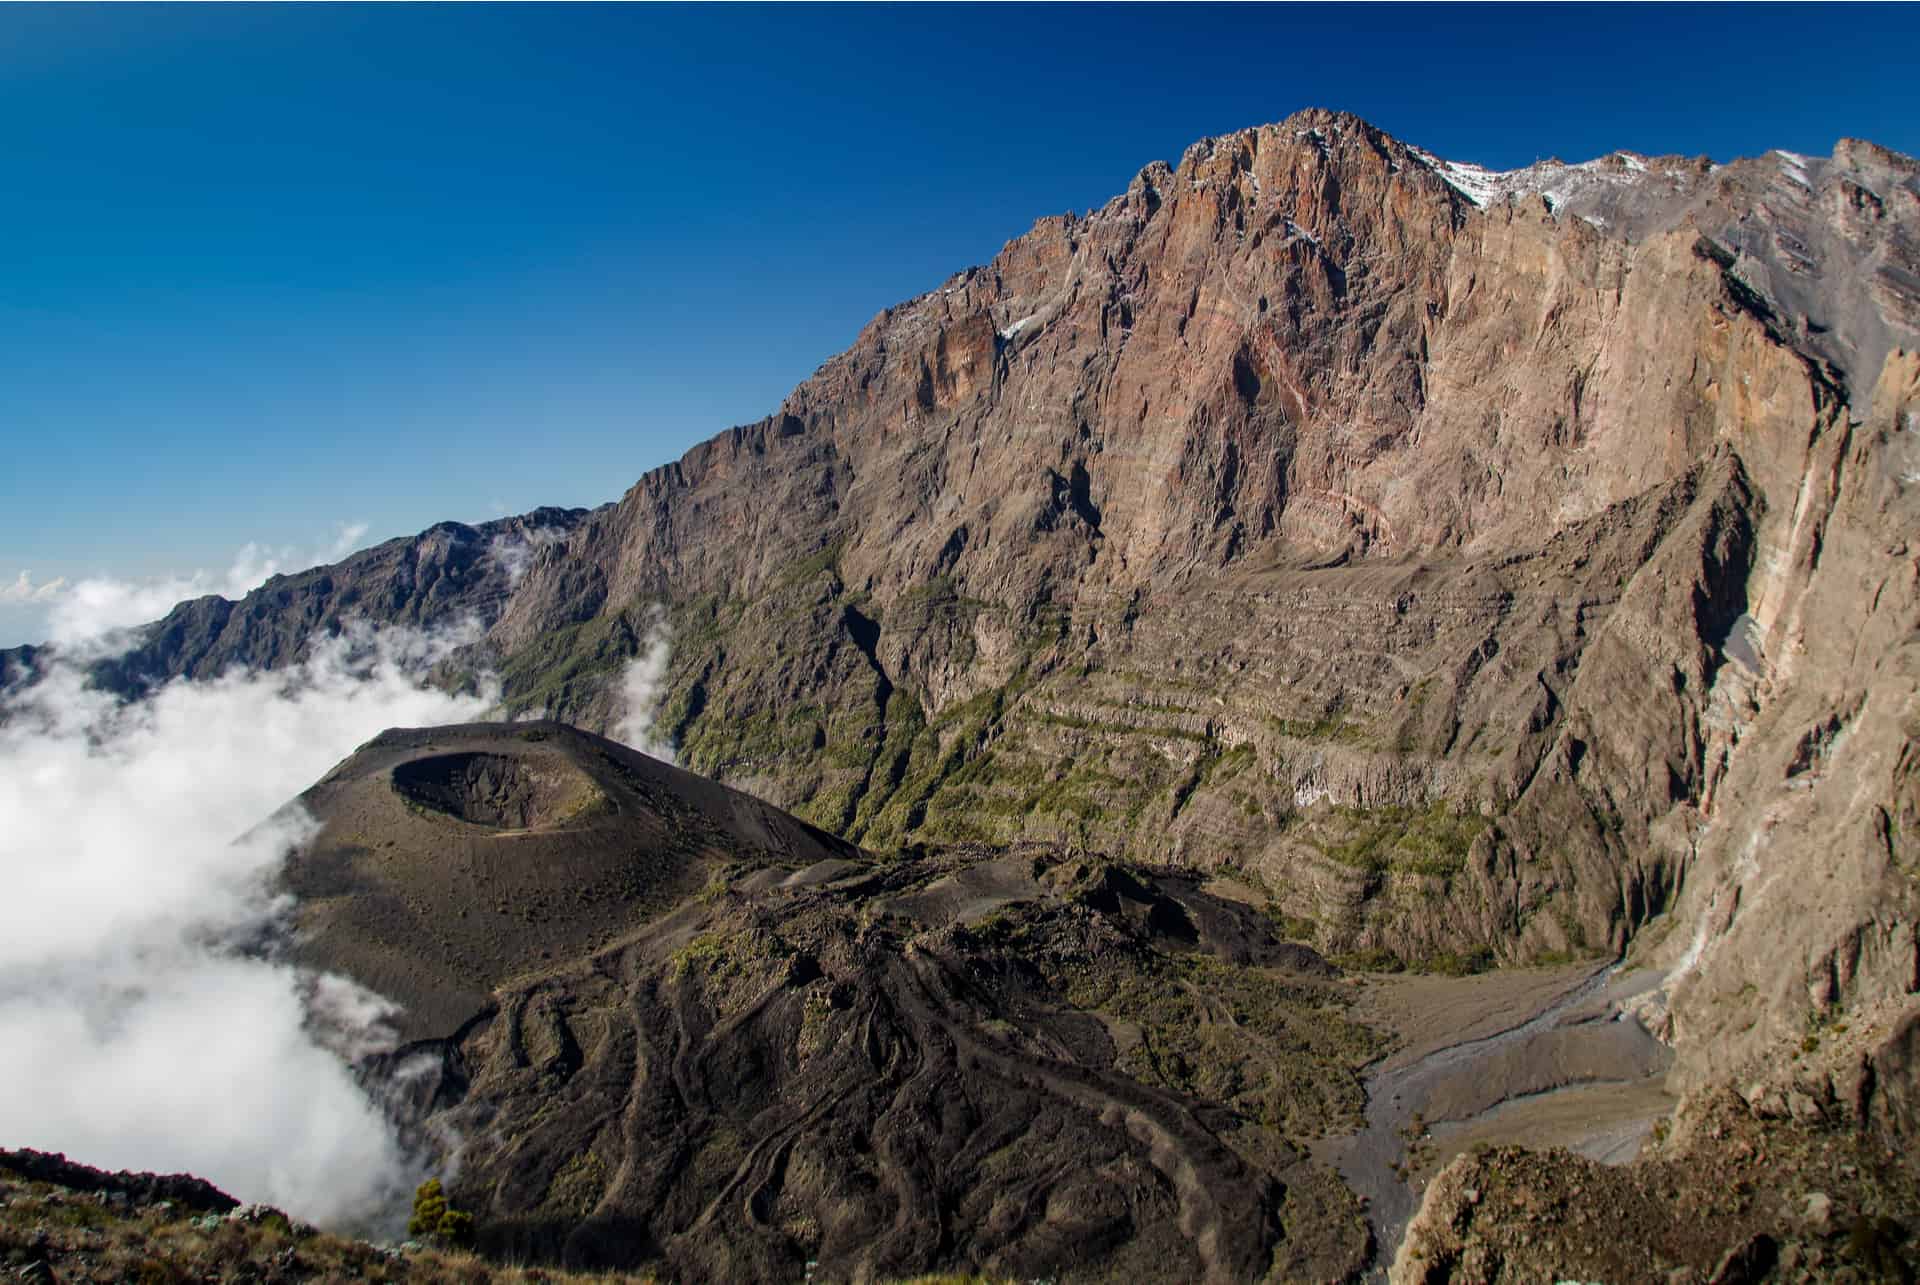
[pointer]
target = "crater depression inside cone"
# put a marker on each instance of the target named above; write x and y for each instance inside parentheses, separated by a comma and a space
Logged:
(494, 790)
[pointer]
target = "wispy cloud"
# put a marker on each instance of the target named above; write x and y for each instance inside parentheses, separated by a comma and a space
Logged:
(347, 537)
(256, 563)
(87, 614)
(138, 1040)
(514, 551)
(24, 590)
(642, 686)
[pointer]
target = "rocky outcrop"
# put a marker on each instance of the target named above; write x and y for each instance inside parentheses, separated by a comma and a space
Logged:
(1802, 901)
(179, 1190)
(1891, 1097)
(61, 1221)
(17, 665)
(1749, 1196)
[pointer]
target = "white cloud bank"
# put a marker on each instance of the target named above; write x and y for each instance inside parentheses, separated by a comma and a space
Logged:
(134, 1039)
(81, 613)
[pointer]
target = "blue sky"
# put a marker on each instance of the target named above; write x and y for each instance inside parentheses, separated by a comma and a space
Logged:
(265, 271)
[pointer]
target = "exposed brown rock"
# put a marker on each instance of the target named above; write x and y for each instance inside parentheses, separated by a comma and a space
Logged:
(1741, 1200)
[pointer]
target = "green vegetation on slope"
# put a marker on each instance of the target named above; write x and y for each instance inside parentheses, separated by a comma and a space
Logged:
(1276, 1051)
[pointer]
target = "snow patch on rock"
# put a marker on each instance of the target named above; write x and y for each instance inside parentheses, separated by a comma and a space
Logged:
(1555, 182)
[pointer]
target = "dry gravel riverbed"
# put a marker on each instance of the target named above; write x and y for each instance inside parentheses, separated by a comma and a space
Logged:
(1535, 1057)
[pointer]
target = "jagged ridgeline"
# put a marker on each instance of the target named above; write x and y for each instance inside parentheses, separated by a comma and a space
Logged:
(1484, 565)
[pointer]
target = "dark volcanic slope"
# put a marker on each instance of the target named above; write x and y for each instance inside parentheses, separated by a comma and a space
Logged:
(452, 859)
(1018, 1063)
(668, 1025)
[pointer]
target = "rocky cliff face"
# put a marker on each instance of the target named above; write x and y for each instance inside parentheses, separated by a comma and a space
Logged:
(1490, 565)
(1297, 511)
